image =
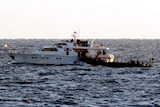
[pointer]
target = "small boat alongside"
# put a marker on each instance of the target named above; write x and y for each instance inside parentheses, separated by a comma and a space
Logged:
(131, 63)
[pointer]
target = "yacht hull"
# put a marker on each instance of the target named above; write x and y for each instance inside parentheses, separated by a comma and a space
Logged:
(43, 59)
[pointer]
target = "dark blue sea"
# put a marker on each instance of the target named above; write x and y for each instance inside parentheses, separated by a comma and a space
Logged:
(27, 85)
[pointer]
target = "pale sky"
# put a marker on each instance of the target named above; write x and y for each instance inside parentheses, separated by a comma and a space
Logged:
(109, 19)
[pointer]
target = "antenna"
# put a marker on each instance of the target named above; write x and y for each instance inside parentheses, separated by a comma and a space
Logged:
(75, 36)
(92, 42)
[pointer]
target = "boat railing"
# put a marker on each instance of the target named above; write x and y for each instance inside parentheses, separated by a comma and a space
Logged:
(11, 51)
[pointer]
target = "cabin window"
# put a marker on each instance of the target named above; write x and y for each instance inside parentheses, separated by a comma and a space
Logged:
(49, 49)
(104, 53)
(32, 57)
(59, 58)
(61, 44)
(67, 51)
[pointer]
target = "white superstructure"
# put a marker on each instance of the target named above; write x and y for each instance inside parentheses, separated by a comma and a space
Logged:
(64, 52)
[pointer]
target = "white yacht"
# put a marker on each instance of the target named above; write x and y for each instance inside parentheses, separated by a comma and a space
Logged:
(63, 52)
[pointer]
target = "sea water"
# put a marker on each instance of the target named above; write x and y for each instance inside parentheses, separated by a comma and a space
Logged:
(27, 85)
